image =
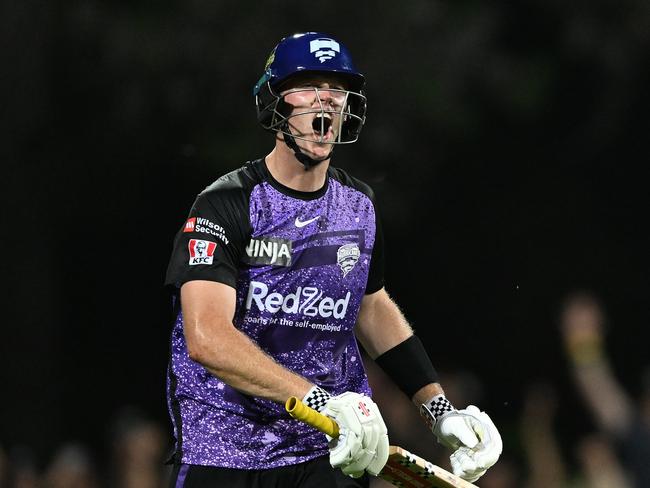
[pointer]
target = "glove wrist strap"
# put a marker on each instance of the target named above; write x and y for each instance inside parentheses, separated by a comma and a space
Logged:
(434, 409)
(316, 398)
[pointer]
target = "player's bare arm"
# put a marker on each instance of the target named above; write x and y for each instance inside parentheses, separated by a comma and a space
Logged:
(381, 325)
(215, 343)
(384, 332)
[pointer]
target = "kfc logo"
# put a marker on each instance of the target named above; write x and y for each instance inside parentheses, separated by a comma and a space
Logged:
(201, 252)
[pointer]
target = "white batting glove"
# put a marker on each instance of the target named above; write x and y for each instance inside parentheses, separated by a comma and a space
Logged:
(363, 441)
(470, 433)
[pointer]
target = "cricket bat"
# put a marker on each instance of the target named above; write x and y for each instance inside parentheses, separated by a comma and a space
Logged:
(402, 468)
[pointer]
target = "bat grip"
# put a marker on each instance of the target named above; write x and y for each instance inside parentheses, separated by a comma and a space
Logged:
(308, 415)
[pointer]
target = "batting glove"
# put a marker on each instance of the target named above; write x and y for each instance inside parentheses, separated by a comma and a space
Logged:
(470, 433)
(362, 444)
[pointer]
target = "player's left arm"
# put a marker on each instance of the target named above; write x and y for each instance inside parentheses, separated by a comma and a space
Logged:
(388, 338)
(381, 326)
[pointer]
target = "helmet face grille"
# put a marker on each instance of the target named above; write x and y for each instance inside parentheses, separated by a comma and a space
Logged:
(344, 111)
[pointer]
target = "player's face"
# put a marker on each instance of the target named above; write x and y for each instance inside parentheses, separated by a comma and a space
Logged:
(316, 105)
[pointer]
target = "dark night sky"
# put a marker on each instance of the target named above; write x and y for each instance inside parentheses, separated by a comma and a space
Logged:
(506, 145)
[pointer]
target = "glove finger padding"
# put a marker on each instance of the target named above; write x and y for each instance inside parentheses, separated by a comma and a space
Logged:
(371, 461)
(363, 430)
(465, 466)
(343, 448)
(381, 457)
(454, 429)
(487, 452)
(363, 457)
(471, 462)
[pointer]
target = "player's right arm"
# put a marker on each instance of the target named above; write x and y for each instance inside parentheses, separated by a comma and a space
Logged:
(203, 270)
(214, 342)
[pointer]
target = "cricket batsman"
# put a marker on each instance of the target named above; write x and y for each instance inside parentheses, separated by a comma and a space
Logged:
(277, 273)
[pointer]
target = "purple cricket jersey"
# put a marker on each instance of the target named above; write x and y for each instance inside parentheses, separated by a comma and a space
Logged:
(301, 262)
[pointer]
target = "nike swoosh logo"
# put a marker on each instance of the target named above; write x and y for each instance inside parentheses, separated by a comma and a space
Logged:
(299, 223)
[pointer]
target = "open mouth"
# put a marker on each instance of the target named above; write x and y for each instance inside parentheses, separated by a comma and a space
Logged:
(321, 125)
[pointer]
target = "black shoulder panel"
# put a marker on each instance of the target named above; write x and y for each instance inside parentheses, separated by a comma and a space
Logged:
(348, 180)
(219, 224)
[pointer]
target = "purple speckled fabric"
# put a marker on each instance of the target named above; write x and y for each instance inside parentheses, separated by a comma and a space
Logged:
(301, 312)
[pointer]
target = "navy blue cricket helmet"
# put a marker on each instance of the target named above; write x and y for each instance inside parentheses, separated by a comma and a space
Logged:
(309, 52)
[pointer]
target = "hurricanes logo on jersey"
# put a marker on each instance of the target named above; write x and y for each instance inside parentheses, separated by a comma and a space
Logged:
(324, 49)
(347, 257)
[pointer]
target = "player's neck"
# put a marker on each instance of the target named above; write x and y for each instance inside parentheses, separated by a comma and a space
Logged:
(285, 168)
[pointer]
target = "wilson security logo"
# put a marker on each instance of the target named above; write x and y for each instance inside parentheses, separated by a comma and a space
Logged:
(308, 300)
(324, 49)
(201, 252)
(269, 250)
(205, 226)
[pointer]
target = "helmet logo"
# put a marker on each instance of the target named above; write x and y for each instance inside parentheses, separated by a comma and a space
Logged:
(324, 49)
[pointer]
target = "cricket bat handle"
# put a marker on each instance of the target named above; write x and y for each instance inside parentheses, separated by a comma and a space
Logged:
(308, 415)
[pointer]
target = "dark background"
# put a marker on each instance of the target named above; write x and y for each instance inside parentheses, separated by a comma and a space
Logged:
(507, 144)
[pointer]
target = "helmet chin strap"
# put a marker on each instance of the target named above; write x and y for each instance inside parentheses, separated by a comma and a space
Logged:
(307, 162)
